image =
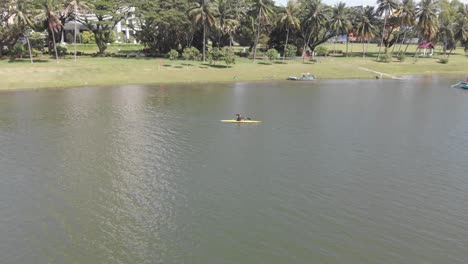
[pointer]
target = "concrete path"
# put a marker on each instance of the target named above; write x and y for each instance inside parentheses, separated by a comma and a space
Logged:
(382, 73)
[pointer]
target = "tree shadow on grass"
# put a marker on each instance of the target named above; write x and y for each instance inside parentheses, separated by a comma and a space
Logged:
(28, 61)
(264, 63)
(280, 62)
(219, 66)
(179, 67)
(167, 65)
(187, 64)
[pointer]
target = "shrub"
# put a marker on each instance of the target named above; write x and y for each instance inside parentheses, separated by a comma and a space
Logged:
(191, 54)
(18, 51)
(290, 51)
(37, 41)
(214, 54)
(173, 54)
(69, 37)
(271, 54)
(444, 60)
(385, 58)
(229, 56)
(401, 56)
(61, 50)
(321, 51)
(88, 37)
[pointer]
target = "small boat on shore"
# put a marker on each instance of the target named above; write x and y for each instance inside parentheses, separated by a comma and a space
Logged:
(462, 85)
(305, 77)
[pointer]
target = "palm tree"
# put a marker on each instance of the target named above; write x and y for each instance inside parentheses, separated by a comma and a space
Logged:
(263, 16)
(317, 18)
(289, 20)
(229, 27)
(76, 7)
(446, 31)
(21, 18)
(427, 19)
(365, 28)
(407, 17)
(204, 12)
(340, 22)
(385, 7)
(49, 14)
(461, 26)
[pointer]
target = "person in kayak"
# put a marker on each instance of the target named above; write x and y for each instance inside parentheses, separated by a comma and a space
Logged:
(239, 117)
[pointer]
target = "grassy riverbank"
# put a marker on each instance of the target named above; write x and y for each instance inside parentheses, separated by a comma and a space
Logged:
(120, 71)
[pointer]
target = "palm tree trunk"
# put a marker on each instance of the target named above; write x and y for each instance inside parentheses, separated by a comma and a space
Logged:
(286, 45)
(256, 40)
(204, 41)
(55, 45)
(383, 34)
(74, 34)
(29, 48)
(363, 48)
(402, 41)
(347, 41)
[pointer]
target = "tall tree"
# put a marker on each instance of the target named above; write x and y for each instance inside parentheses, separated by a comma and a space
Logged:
(461, 26)
(264, 11)
(315, 17)
(365, 28)
(76, 7)
(407, 17)
(104, 16)
(22, 22)
(49, 12)
(340, 23)
(427, 19)
(385, 7)
(204, 13)
(289, 20)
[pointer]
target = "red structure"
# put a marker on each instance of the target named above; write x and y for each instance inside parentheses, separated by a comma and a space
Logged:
(426, 45)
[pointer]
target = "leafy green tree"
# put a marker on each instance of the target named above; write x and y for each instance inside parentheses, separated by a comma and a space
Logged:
(289, 20)
(107, 13)
(163, 25)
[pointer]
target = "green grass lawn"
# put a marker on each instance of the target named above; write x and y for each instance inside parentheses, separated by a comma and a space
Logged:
(45, 72)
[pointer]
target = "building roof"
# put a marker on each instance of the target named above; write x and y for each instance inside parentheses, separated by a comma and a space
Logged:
(426, 45)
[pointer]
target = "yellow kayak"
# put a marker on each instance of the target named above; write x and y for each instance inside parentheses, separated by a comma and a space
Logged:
(242, 121)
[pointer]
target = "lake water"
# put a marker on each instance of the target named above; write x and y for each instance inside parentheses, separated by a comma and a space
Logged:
(346, 171)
